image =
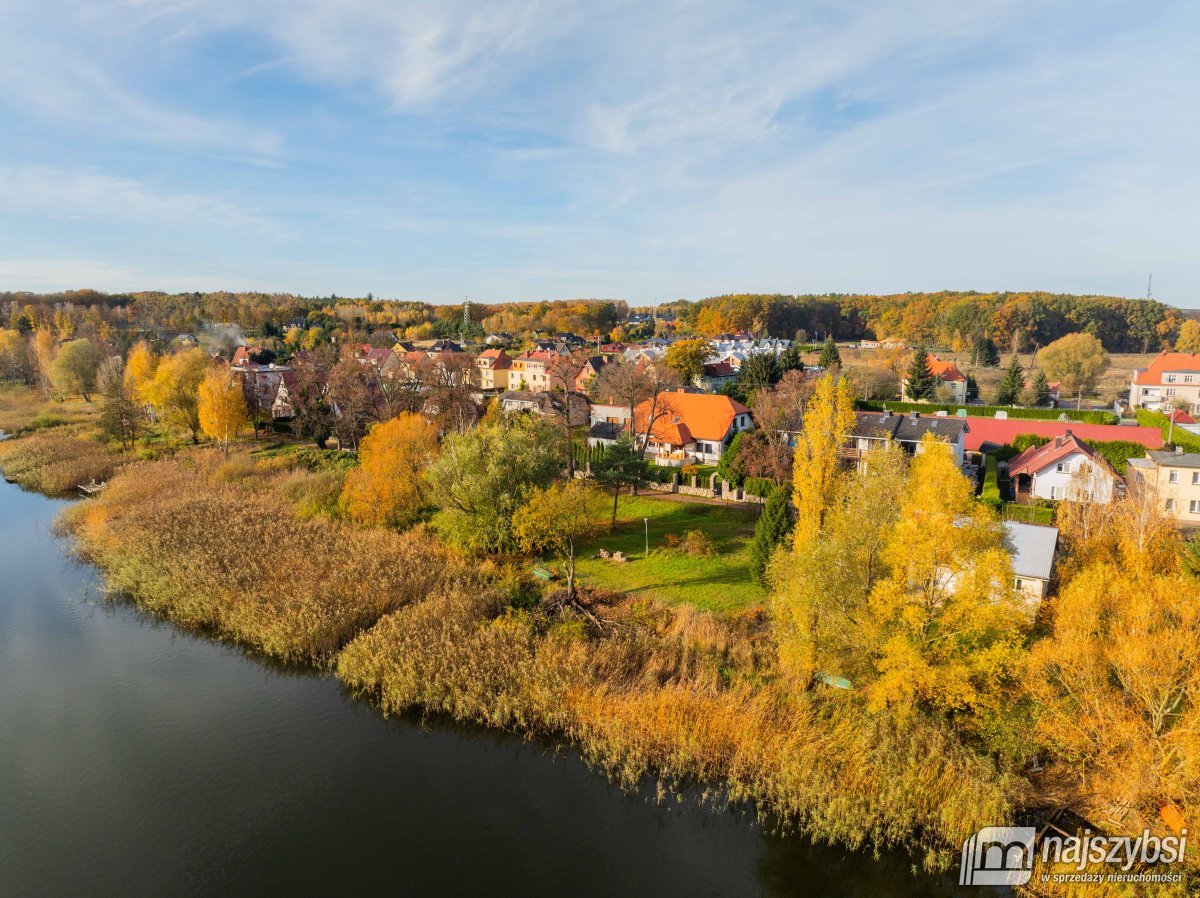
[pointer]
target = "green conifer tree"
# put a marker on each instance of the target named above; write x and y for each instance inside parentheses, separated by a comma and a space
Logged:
(773, 527)
(830, 357)
(1011, 385)
(920, 384)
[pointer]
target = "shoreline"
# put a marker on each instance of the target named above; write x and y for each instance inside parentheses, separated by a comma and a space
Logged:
(471, 659)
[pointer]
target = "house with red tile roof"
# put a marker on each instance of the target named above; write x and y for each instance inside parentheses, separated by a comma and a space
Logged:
(1064, 468)
(689, 428)
(948, 375)
(1173, 377)
(992, 433)
(716, 375)
(494, 367)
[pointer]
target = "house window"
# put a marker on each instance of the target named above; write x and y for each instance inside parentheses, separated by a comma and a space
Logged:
(1187, 378)
(1170, 392)
(1173, 477)
(1061, 467)
(1018, 583)
(1170, 378)
(1194, 506)
(1170, 506)
(1056, 492)
(1195, 478)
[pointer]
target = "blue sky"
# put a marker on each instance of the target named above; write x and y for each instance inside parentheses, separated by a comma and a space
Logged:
(515, 150)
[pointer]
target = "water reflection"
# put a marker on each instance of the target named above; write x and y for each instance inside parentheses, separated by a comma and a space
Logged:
(136, 758)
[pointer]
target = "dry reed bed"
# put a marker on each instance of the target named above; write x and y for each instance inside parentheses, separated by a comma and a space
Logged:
(650, 698)
(239, 562)
(57, 461)
(217, 544)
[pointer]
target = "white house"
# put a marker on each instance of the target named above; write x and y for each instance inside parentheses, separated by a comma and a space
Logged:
(874, 430)
(1172, 377)
(690, 428)
(1064, 468)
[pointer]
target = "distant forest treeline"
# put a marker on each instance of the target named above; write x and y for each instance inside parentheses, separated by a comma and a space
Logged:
(1017, 321)
(1014, 321)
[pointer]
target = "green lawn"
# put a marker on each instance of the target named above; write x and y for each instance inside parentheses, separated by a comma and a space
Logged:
(721, 582)
(1028, 514)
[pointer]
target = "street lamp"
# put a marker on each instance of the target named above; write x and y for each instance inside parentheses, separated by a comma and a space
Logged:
(646, 521)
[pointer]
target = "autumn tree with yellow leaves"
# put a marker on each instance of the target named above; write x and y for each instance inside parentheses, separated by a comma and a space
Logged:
(388, 485)
(946, 624)
(140, 367)
(175, 390)
(221, 405)
(828, 419)
(1116, 688)
(556, 519)
(905, 589)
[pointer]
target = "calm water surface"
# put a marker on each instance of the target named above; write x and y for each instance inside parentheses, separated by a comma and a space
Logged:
(136, 759)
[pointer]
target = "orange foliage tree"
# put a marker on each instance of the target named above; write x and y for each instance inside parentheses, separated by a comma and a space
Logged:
(386, 487)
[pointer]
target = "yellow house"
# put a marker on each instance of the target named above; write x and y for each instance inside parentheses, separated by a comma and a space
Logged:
(495, 368)
(1174, 478)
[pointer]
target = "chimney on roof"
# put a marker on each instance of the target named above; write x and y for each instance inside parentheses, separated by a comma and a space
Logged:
(1179, 450)
(915, 415)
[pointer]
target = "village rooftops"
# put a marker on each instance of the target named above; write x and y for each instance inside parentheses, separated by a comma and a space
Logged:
(719, 369)
(497, 358)
(945, 371)
(909, 428)
(704, 416)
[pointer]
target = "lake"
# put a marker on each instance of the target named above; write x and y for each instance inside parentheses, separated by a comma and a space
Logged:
(139, 759)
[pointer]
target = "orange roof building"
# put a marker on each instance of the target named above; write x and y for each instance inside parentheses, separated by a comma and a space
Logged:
(690, 428)
(947, 372)
(949, 375)
(1172, 378)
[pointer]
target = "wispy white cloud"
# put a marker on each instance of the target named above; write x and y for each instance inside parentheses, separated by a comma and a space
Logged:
(64, 63)
(545, 147)
(48, 192)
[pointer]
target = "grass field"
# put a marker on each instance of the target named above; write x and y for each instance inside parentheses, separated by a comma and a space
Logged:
(721, 582)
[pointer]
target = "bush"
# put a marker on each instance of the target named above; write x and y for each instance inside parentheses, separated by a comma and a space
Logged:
(1118, 452)
(990, 496)
(312, 458)
(759, 486)
(316, 495)
(697, 544)
(730, 467)
(1190, 442)
(1020, 443)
